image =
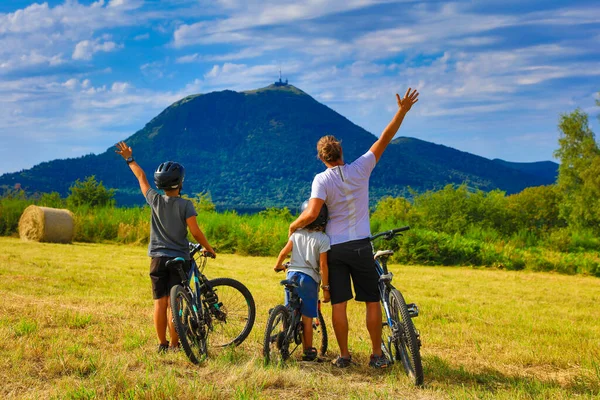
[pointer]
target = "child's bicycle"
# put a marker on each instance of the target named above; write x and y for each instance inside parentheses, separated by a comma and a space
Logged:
(222, 307)
(400, 340)
(285, 329)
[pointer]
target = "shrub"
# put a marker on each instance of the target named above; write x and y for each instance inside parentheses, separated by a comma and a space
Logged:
(202, 202)
(12, 205)
(431, 248)
(90, 193)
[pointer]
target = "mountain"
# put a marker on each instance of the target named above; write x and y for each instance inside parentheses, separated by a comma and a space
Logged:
(257, 149)
(546, 170)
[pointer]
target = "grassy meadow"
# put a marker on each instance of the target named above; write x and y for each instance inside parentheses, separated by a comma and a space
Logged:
(76, 323)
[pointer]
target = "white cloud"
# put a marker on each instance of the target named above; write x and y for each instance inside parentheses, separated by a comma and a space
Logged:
(120, 87)
(475, 41)
(33, 58)
(35, 17)
(39, 35)
(252, 14)
(71, 83)
(85, 49)
(190, 58)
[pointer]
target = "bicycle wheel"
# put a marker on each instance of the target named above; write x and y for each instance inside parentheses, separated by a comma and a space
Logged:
(191, 330)
(233, 313)
(320, 340)
(403, 346)
(276, 343)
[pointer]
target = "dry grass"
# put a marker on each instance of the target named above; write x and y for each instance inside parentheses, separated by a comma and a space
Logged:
(76, 323)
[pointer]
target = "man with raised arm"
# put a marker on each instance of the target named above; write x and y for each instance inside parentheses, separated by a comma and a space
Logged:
(344, 188)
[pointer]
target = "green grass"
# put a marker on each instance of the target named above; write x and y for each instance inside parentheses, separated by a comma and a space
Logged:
(76, 323)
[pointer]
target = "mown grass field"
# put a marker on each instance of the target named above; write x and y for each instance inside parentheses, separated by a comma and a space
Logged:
(76, 323)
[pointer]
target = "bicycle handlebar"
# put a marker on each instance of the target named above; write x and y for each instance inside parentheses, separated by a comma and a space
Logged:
(389, 234)
(285, 265)
(196, 247)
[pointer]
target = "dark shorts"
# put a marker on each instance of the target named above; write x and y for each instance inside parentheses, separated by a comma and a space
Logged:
(308, 290)
(352, 260)
(163, 278)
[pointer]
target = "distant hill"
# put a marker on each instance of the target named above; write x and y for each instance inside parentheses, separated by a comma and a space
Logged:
(257, 149)
(547, 170)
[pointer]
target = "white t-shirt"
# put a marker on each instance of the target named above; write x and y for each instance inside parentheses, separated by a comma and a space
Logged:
(307, 247)
(345, 190)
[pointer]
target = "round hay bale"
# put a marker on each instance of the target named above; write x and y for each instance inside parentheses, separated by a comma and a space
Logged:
(44, 224)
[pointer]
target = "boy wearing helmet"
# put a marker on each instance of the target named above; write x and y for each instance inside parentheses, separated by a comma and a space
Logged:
(308, 267)
(171, 218)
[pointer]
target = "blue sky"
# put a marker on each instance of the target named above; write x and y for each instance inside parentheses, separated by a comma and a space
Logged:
(77, 76)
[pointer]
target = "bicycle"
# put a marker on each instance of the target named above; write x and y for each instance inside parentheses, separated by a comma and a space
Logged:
(400, 340)
(222, 307)
(285, 328)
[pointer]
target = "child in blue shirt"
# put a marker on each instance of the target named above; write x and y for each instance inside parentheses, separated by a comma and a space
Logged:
(308, 267)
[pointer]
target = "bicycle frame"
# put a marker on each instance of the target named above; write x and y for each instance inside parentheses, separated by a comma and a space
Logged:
(385, 277)
(194, 283)
(385, 284)
(293, 306)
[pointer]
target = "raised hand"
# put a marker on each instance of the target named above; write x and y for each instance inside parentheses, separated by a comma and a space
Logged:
(405, 103)
(124, 150)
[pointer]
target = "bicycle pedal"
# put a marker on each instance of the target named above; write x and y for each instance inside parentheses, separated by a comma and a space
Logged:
(413, 310)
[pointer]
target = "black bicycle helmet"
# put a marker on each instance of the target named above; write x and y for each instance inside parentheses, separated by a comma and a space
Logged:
(321, 218)
(169, 175)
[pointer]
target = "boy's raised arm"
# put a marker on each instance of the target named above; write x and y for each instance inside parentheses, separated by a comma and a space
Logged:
(127, 153)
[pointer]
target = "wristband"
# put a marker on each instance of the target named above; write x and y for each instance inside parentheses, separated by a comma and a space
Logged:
(325, 287)
(129, 160)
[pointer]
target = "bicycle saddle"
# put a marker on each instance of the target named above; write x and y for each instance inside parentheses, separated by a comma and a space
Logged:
(174, 261)
(383, 253)
(289, 283)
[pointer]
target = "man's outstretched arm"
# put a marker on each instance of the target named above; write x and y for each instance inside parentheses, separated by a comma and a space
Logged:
(404, 106)
(126, 152)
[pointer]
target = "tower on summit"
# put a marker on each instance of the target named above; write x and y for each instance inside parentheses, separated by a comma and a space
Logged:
(280, 82)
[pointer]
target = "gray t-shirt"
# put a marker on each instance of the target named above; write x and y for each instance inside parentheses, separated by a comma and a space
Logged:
(168, 231)
(307, 247)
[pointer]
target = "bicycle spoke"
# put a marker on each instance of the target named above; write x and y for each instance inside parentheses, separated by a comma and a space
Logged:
(232, 320)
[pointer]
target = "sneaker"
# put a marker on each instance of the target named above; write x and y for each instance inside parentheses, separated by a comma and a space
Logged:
(163, 348)
(379, 362)
(310, 354)
(175, 349)
(342, 362)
